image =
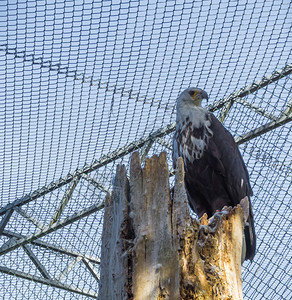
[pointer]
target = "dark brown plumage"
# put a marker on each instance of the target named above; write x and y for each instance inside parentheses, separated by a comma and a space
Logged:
(215, 174)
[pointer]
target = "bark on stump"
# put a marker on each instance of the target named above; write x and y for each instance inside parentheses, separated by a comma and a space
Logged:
(153, 249)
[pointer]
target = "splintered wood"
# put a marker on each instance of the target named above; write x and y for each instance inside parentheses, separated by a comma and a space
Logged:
(153, 249)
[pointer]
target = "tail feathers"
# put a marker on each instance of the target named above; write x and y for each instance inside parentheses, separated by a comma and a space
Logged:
(250, 237)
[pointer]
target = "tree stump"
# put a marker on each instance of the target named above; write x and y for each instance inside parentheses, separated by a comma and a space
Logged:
(153, 249)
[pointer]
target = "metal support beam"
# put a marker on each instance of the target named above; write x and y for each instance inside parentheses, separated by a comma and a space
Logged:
(141, 142)
(225, 110)
(36, 262)
(95, 183)
(263, 129)
(91, 269)
(30, 218)
(51, 228)
(69, 267)
(87, 169)
(15, 236)
(5, 220)
(10, 242)
(253, 87)
(171, 172)
(288, 110)
(146, 150)
(53, 283)
(65, 200)
(227, 106)
(256, 109)
(164, 143)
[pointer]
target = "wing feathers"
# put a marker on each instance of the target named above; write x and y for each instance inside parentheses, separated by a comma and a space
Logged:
(216, 175)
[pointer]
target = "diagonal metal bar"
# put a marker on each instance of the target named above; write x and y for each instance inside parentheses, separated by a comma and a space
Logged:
(87, 169)
(171, 172)
(256, 109)
(65, 200)
(36, 262)
(95, 183)
(53, 283)
(164, 143)
(263, 129)
(91, 269)
(69, 267)
(225, 110)
(227, 106)
(146, 150)
(253, 87)
(5, 220)
(10, 242)
(288, 109)
(51, 228)
(141, 142)
(42, 244)
(30, 218)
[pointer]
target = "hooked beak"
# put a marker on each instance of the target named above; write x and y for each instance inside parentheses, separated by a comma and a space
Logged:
(204, 95)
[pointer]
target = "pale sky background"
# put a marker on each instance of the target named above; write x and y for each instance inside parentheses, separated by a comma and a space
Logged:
(80, 79)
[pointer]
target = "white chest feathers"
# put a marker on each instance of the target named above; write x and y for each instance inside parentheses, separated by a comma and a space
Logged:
(193, 131)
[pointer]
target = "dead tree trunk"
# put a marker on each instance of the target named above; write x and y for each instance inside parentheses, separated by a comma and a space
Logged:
(153, 249)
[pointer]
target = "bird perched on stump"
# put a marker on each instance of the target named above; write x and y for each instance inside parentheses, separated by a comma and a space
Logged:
(215, 173)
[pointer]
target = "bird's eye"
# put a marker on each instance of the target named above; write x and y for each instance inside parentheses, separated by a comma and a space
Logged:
(192, 93)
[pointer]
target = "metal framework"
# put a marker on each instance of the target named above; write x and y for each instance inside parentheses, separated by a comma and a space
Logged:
(73, 180)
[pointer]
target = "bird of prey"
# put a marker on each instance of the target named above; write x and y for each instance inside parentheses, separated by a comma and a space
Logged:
(215, 174)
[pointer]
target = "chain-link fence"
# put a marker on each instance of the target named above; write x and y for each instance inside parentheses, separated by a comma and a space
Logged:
(85, 83)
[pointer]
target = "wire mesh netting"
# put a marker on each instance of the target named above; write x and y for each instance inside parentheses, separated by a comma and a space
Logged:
(85, 83)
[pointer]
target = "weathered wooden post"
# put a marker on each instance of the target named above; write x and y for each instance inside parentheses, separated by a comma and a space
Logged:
(153, 249)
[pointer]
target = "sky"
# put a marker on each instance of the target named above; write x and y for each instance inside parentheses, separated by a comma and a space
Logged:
(80, 79)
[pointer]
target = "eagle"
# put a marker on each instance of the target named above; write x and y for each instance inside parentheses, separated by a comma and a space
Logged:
(215, 173)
